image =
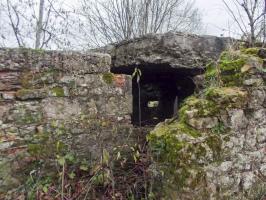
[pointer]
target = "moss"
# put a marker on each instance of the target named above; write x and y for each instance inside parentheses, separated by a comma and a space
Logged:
(7, 181)
(211, 74)
(175, 128)
(31, 80)
(25, 94)
(198, 179)
(204, 108)
(231, 97)
(186, 129)
(108, 78)
(181, 179)
(46, 144)
(181, 151)
(215, 144)
(58, 91)
(251, 51)
(234, 79)
(230, 66)
(219, 129)
(31, 118)
(26, 79)
(39, 51)
(25, 115)
(164, 144)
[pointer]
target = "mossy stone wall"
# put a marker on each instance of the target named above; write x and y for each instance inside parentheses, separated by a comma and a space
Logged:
(47, 96)
(215, 148)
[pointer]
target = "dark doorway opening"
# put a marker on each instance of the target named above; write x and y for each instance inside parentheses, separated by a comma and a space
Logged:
(159, 92)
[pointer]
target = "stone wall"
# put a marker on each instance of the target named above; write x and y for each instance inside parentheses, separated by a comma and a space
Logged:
(53, 101)
(217, 147)
(185, 52)
(70, 94)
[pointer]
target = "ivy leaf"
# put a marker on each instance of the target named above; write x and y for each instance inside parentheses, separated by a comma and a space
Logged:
(72, 175)
(61, 161)
(106, 157)
(70, 157)
(84, 167)
(118, 155)
(45, 189)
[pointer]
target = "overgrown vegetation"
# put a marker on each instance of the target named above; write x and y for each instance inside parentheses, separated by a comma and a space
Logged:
(56, 172)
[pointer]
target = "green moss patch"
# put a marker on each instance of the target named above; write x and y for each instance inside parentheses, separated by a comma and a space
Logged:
(108, 78)
(58, 91)
(201, 107)
(227, 97)
(231, 62)
(182, 151)
(251, 51)
(233, 68)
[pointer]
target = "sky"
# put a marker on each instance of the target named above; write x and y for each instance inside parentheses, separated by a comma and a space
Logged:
(214, 14)
(215, 17)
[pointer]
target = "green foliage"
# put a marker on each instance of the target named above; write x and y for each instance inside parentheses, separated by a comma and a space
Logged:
(102, 178)
(35, 183)
(105, 157)
(46, 145)
(52, 154)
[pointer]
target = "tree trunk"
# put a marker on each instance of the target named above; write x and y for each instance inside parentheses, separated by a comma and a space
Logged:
(252, 35)
(39, 25)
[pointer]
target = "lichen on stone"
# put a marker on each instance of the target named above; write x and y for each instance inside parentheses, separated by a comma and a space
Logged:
(40, 79)
(58, 91)
(25, 94)
(108, 78)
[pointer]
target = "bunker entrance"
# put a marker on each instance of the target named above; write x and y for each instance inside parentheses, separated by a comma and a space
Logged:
(158, 93)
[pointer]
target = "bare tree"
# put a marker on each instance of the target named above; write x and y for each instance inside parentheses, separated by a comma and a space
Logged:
(249, 16)
(91, 23)
(39, 25)
(14, 22)
(115, 20)
(47, 29)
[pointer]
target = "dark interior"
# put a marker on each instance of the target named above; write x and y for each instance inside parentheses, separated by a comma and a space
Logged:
(161, 90)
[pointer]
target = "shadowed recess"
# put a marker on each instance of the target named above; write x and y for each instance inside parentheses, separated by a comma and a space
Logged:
(159, 92)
